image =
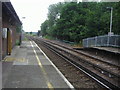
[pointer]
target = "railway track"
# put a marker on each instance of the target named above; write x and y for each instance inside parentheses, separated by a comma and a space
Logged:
(111, 69)
(100, 54)
(88, 55)
(98, 70)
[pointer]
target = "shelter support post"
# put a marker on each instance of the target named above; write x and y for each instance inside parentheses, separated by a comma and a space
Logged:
(0, 30)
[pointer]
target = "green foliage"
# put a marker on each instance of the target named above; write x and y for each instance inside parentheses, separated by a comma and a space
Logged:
(19, 29)
(49, 37)
(17, 42)
(38, 33)
(31, 33)
(44, 27)
(25, 39)
(73, 22)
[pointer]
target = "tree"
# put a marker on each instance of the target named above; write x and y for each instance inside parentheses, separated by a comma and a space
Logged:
(44, 28)
(38, 33)
(31, 33)
(75, 21)
(19, 29)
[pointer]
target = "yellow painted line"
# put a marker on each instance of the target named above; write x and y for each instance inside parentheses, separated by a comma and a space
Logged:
(11, 59)
(43, 70)
(67, 82)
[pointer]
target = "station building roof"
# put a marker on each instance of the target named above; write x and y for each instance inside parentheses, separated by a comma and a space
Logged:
(8, 8)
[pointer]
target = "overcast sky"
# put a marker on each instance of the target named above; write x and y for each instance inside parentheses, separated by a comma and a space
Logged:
(35, 12)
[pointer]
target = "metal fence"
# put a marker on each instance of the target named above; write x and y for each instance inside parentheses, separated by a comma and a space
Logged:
(106, 40)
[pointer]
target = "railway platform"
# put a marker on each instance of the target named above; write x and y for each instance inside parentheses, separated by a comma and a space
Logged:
(109, 49)
(29, 67)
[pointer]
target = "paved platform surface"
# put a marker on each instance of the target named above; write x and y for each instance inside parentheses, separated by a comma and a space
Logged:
(110, 49)
(28, 67)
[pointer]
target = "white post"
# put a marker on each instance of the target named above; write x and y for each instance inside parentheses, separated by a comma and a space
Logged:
(111, 21)
(110, 32)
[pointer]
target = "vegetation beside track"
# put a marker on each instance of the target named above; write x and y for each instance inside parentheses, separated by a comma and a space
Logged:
(74, 21)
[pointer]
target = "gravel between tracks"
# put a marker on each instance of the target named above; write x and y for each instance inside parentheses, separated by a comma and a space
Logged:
(77, 78)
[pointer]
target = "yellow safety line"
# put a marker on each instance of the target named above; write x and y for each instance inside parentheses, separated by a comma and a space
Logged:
(43, 70)
(11, 59)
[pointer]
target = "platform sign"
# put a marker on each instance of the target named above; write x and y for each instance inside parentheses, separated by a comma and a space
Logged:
(4, 33)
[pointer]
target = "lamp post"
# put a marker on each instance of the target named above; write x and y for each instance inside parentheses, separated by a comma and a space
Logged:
(111, 8)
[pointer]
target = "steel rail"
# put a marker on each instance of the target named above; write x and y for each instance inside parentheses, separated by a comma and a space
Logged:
(103, 69)
(97, 78)
(80, 52)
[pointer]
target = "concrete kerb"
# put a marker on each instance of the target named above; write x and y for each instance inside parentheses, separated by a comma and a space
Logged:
(67, 82)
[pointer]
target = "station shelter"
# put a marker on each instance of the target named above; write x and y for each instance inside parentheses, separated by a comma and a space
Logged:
(10, 31)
